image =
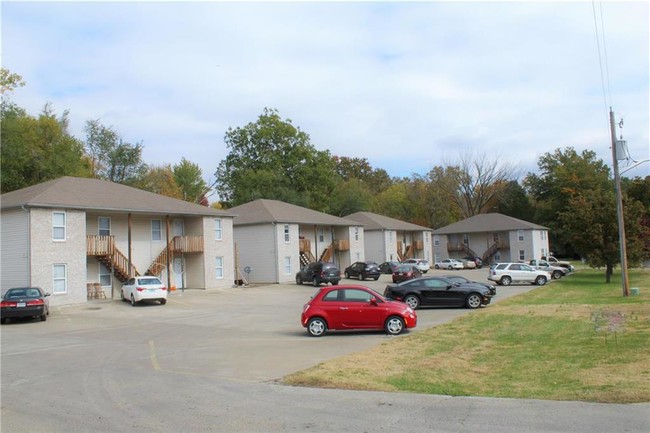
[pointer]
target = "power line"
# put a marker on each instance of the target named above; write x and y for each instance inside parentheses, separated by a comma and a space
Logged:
(600, 59)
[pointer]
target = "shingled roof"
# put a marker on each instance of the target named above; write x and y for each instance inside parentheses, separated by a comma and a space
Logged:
(95, 194)
(264, 211)
(488, 222)
(372, 221)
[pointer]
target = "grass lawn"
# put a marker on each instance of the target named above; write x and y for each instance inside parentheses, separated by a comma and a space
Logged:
(574, 339)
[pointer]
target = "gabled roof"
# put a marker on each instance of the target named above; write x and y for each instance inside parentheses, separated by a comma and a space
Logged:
(488, 222)
(372, 221)
(264, 211)
(95, 194)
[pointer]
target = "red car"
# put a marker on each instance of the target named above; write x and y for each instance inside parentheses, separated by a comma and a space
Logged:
(347, 307)
(405, 272)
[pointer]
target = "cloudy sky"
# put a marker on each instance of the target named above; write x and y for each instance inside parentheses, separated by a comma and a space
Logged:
(406, 85)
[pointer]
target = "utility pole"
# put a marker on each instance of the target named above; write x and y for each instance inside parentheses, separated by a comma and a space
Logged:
(619, 209)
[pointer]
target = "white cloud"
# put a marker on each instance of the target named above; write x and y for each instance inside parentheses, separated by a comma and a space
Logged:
(406, 85)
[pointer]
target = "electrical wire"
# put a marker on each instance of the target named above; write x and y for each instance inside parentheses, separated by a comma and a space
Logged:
(600, 58)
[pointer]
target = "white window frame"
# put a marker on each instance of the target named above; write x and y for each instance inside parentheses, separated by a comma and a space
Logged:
(356, 233)
(520, 235)
(219, 267)
(465, 239)
(99, 225)
(287, 234)
(57, 280)
(159, 230)
(218, 229)
(57, 237)
(287, 265)
(436, 240)
(522, 255)
(321, 235)
(390, 237)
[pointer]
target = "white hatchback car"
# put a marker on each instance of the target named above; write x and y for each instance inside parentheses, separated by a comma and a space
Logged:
(506, 273)
(421, 264)
(144, 288)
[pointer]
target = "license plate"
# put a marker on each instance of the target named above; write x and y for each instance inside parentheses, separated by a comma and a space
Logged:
(153, 290)
(20, 304)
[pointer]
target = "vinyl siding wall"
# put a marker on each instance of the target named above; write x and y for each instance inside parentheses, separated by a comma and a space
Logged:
(375, 245)
(256, 246)
(14, 238)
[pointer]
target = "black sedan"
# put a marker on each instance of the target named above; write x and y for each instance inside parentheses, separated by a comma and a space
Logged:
(363, 270)
(388, 267)
(438, 292)
(22, 302)
(459, 279)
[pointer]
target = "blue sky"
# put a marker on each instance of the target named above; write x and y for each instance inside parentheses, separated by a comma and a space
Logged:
(408, 86)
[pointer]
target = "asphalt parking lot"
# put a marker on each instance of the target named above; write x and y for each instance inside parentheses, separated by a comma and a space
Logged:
(209, 361)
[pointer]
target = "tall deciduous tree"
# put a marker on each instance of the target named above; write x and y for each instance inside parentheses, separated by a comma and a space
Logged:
(160, 180)
(189, 178)
(273, 159)
(376, 180)
(9, 81)
(111, 158)
(564, 173)
(38, 149)
(349, 197)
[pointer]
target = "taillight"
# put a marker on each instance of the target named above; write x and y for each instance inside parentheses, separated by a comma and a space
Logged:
(139, 289)
(36, 302)
(163, 288)
(8, 304)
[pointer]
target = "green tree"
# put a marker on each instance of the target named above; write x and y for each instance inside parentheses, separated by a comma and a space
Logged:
(590, 224)
(111, 158)
(189, 178)
(349, 197)
(9, 81)
(38, 149)
(513, 201)
(273, 159)
(377, 180)
(160, 180)
(563, 174)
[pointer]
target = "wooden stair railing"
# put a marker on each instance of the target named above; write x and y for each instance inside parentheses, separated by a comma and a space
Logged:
(178, 244)
(306, 257)
(327, 253)
(104, 249)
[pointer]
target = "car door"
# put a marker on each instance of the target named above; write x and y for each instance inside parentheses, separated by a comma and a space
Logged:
(437, 294)
(334, 309)
(128, 287)
(359, 312)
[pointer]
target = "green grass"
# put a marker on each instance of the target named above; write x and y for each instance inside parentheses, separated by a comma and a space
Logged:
(575, 339)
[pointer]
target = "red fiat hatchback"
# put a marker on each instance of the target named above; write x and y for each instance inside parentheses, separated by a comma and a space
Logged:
(348, 307)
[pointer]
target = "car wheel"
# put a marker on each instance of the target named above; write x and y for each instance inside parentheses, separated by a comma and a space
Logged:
(557, 275)
(361, 277)
(394, 325)
(335, 283)
(506, 280)
(315, 282)
(132, 300)
(412, 301)
(3, 320)
(450, 268)
(541, 280)
(43, 317)
(163, 301)
(437, 267)
(316, 327)
(122, 296)
(298, 279)
(347, 274)
(376, 278)
(473, 301)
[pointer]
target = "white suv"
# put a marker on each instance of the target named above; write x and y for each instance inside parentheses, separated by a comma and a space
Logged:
(506, 273)
(421, 264)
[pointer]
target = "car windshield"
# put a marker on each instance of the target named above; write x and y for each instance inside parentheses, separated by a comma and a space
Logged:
(404, 268)
(22, 293)
(149, 281)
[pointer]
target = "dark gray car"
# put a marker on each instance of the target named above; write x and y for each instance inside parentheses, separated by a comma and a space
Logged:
(318, 273)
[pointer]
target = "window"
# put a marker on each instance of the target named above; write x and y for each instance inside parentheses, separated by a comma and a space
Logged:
(287, 265)
(495, 237)
(332, 296)
(542, 235)
(105, 278)
(354, 295)
(436, 241)
(59, 279)
(497, 257)
(543, 252)
(286, 234)
(104, 225)
(156, 230)
(520, 235)
(321, 236)
(218, 230)
(219, 267)
(522, 255)
(58, 226)
(356, 233)
(466, 239)
(390, 236)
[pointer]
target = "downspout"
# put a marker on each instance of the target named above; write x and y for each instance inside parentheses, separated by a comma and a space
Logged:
(275, 250)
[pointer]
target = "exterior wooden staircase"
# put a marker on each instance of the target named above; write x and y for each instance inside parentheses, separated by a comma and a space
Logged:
(177, 245)
(103, 248)
(491, 251)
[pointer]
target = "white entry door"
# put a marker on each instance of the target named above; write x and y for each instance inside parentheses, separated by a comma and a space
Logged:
(179, 271)
(178, 228)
